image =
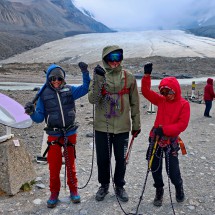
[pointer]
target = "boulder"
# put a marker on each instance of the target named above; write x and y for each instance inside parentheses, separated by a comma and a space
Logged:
(16, 166)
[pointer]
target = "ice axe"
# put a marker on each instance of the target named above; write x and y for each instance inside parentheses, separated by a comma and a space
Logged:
(130, 147)
(34, 100)
(39, 92)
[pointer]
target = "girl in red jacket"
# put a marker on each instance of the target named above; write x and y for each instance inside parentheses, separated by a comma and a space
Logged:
(172, 118)
(209, 95)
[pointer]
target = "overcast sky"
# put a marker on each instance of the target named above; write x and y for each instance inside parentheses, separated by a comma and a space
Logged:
(147, 14)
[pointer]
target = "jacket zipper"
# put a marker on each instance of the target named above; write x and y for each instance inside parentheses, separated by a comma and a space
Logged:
(61, 109)
(47, 120)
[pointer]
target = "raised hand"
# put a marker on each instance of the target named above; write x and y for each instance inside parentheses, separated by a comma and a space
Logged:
(99, 70)
(29, 108)
(148, 68)
(83, 66)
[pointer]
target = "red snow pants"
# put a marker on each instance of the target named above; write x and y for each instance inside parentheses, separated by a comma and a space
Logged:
(54, 159)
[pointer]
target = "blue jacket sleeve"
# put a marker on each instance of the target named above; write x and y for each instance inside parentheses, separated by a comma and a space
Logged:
(79, 91)
(38, 115)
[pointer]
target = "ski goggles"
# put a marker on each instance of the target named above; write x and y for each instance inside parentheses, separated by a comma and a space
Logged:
(114, 56)
(55, 78)
(166, 91)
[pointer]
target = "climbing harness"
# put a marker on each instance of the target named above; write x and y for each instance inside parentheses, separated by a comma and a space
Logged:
(114, 102)
(60, 130)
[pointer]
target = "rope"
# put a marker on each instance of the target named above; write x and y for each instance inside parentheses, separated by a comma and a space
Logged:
(170, 194)
(67, 159)
(109, 149)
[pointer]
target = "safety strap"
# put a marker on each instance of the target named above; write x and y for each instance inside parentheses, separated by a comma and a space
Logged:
(175, 142)
(120, 94)
(123, 91)
(56, 142)
(62, 130)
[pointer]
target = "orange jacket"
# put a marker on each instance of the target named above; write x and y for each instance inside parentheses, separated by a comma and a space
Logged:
(172, 115)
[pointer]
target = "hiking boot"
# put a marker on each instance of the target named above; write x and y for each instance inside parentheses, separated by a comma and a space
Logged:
(121, 194)
(75, 197)
(158, 197)
(208, 116)
(179, 194)
(53, 200)
(102, 192)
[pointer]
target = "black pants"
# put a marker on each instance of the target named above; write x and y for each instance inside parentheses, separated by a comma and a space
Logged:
(119, 142)
(208, 106)
(172, 166)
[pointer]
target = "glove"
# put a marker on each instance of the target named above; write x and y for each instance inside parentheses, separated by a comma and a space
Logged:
(29, 108)
(159, 133)
(83, 66)
(99, 70)
(135, 132)
(148, 68)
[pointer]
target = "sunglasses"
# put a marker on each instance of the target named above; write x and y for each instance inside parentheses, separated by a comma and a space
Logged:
(166, 92)
(114, 56)
(54, 78)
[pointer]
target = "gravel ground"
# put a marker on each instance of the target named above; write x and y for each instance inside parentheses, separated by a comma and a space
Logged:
(197, 167)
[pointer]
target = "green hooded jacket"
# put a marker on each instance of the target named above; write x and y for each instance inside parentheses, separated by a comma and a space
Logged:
(126, 109)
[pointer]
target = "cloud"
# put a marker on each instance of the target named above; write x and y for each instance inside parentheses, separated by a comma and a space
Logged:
(148, 14)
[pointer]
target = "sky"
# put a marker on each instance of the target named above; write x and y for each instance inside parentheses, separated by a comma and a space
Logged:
(148, 14)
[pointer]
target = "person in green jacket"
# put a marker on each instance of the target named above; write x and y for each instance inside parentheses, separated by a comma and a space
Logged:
(115, 95)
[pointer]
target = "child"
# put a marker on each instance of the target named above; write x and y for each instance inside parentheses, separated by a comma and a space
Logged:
(172, 118)
(56, 105)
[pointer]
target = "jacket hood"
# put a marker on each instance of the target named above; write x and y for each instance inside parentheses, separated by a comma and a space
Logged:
(172, 83)
(106, 51)
(210, 81)
(50, 68)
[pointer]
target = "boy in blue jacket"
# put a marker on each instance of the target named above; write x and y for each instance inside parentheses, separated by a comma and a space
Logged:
(56, 105)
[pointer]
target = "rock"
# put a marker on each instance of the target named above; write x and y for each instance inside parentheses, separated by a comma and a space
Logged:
(37, 201)
(191, 207)
(16, 167)
(41, 186)
(89, 134)
(83, 212)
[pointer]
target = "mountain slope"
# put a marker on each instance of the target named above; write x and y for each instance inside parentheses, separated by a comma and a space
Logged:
(27, 24)
(206, 27)
(205, 31)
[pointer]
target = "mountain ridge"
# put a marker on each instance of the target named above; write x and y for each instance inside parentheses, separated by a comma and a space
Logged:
(28, 24)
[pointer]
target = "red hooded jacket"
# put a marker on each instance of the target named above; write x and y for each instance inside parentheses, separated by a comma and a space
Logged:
(172, 115)
(209, 91)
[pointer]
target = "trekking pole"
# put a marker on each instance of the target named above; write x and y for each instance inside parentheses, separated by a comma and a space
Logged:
(129, 148)
(147, 173)
(153, 152)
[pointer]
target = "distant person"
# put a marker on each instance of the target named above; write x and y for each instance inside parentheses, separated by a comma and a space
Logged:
(115, 94)
(56, 105)
(209, 95)
(173, 114)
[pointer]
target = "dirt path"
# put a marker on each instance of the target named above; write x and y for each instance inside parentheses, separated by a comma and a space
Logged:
(198, 166)
(198, 170)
